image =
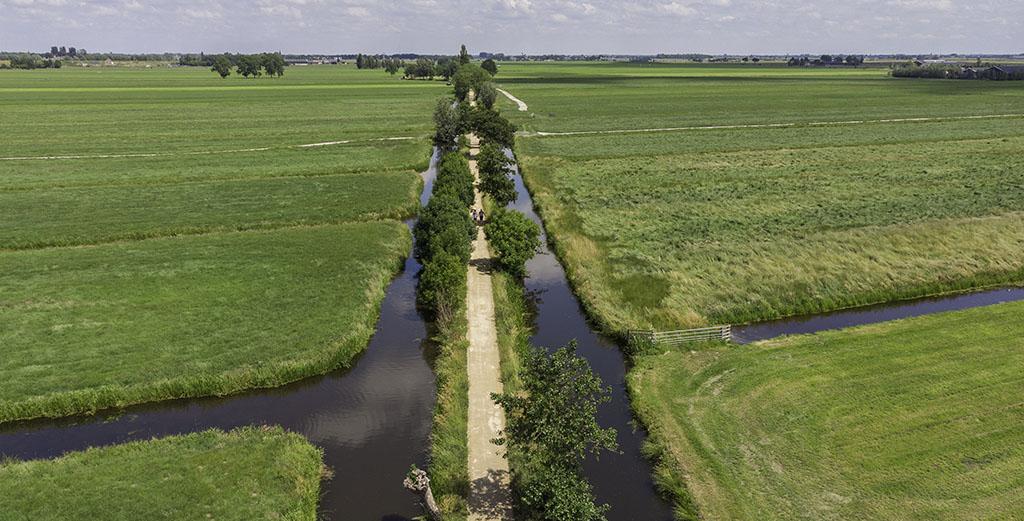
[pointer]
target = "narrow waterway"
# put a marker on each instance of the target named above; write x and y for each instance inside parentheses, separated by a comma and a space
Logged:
(372, 420)
(872, 314)
(623, 481)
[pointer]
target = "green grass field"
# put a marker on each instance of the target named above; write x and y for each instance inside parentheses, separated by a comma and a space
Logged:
(122, 323)
(163, 233)
(683, 228)
(913, 419)
(241, 475)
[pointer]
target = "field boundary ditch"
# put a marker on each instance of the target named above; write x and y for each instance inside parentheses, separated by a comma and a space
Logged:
(795, 124)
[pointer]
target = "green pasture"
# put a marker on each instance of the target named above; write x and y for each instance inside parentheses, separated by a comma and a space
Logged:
(162, 235)
(567, 97)
(130, 322)
(245, 474)
(86, 215)
(193, 110)
(683, 228)
(918, 419)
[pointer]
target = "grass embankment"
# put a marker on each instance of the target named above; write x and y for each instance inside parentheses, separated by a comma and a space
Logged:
(680, 229)
(101, 326)
(250, 473)
(913, 419)
(449, 452)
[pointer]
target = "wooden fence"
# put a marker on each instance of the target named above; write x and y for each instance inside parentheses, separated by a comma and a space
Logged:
(685, 336)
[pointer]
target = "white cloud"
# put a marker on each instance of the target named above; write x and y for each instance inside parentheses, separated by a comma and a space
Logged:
(678, 9)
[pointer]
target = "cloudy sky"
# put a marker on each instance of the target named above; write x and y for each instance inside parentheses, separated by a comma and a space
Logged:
(517, 26)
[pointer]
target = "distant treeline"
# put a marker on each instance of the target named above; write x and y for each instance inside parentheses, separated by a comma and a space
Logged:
(826, 60)
(29, 61)
(389, 64)
(954, 71)
(247, 65)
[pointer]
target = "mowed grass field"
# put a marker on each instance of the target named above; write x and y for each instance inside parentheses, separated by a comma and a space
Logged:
(251, 473)
(164, 234)
(915, 419)
(810, 199)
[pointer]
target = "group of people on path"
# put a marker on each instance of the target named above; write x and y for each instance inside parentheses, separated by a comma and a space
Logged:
(478, 216)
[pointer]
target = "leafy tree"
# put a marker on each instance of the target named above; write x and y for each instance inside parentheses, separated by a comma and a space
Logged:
(442, 285)
(487, 94)
(249, 65)
(446, 68)
(469, 78)
(393, 65)
(444, 211)
(453, 170)
(515, 239)
(463, 56)
(448, 124)
(54, 51)
(550, 427)
(490, 66)
(273, 63)
(495, 170)
(489, 125)
(222, 66)
(422, 68)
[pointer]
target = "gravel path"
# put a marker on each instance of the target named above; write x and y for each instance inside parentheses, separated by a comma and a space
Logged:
(489, 495)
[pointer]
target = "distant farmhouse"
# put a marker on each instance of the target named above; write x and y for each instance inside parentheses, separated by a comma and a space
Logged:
(956, 71)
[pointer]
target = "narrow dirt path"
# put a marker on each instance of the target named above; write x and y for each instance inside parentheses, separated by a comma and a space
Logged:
(522, 106)
(490, 496)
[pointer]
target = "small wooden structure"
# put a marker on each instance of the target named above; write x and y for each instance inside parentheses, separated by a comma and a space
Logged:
(683, 336)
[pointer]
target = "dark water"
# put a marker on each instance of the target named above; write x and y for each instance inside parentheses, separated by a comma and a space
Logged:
(872, 314)
(624, 480)
(372, 420)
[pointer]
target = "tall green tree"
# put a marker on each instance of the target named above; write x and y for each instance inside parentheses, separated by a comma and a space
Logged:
(515, 240)
(468, 78)
(249, 65)
(463, 55)
(490, 66)
(495, 174)
(486, 94)
(448, 124)
(273, 64)
(550, 427)
(222, 66)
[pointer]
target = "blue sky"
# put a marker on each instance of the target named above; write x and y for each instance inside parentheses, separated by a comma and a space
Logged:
(517, 26)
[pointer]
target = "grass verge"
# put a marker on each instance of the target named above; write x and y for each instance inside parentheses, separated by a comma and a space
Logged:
(911, 419)
(449, 439)
(249, 473)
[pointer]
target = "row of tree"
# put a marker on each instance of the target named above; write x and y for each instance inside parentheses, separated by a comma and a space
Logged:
(248, 65)
(390, 64)
(31, 61)
(62, 52)
(826, 60)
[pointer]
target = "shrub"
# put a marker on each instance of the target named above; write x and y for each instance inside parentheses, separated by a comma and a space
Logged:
(495, 168)
(442, 287)
(453, 173)
(486, 95)
(444, 211)
(515, 239)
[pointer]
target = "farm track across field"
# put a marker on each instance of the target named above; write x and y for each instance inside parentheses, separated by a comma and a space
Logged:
(767, 125)
(207, 152)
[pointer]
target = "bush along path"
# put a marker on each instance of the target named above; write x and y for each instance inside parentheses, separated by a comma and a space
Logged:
(490, 493)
